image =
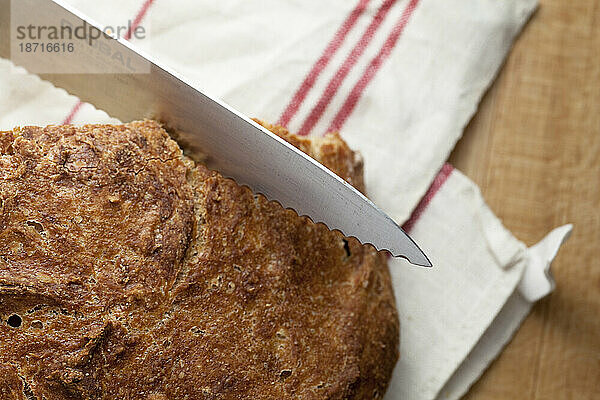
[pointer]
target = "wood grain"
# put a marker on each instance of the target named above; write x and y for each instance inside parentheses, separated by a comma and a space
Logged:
(534, 149)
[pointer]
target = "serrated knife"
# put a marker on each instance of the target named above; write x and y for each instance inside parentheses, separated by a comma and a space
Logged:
(238, 147)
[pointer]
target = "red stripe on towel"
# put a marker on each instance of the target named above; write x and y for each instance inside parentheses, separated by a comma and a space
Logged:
(138, 18)
(136, 22)
(74, 111)
(322, 62)
(372, 68)
(437, 183)
(341, 74)
(357, 91)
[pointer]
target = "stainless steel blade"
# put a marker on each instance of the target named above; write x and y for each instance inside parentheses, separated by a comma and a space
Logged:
(238, 147)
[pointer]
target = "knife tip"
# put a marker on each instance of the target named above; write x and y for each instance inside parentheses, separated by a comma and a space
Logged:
(417, 258)
(419, 261)
(424, 263)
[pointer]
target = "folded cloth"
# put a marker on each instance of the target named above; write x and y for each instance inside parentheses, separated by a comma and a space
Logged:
(400, 79)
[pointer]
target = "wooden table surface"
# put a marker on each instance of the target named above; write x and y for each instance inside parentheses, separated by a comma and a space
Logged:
(534, 149)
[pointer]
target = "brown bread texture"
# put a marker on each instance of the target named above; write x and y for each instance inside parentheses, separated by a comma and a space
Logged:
(127, 271)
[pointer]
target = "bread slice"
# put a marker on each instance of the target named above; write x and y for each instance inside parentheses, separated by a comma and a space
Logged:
(129, 272)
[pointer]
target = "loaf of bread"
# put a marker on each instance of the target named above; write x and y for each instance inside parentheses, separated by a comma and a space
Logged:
(127, 271)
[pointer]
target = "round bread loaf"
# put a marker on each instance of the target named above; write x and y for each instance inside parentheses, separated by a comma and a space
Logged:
(127, 271)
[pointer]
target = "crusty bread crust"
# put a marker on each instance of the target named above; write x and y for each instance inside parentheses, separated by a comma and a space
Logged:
(135, 274)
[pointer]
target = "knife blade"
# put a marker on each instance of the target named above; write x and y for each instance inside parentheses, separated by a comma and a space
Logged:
(238, 147)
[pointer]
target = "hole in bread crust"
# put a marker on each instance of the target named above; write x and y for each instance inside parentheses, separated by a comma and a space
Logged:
(197, 331)
(37, 324)
(15, 321)
(37, 226)
(284, 374)
(347, 248)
